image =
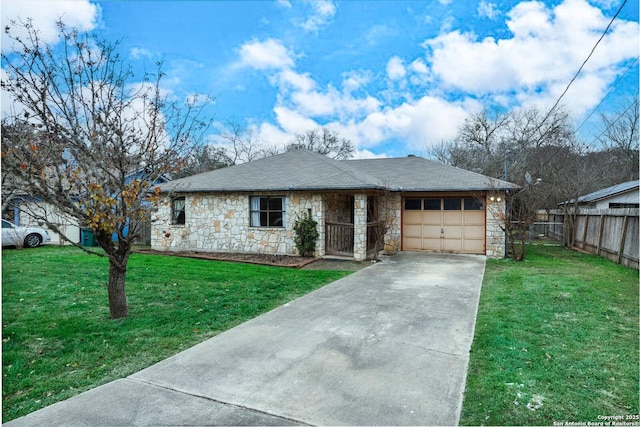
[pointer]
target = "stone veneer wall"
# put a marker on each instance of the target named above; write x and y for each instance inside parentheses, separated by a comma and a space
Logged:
(495, 234)
(220, 223)
(390, 211)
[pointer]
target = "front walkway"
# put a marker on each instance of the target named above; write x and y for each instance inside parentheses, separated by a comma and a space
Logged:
(387, 345)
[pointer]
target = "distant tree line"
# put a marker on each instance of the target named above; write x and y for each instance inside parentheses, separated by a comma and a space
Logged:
(240, 145)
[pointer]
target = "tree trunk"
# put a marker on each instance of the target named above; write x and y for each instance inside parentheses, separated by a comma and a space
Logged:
(117, 295)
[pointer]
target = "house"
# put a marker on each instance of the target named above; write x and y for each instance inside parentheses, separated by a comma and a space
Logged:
(25, 210)
(623, 195)
(420, 204)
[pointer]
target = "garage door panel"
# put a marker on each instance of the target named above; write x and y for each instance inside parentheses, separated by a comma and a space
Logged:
(411, 230)
(473, 246)
(474, 218)
(452, 245)
(412, 243)
(474, 233)
(412, 217)
(432, 218)
(452, 218)
(431, 231)
(431, 244)
(452, 232)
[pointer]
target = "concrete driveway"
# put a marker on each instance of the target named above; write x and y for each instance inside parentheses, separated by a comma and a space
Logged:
(387, 345)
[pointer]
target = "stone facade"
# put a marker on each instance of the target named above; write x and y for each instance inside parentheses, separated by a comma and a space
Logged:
(390, 211)
(220, 222)
(494, 234)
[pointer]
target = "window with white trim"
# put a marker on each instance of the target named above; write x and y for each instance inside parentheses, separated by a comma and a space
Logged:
(177, 211)
(267, 211)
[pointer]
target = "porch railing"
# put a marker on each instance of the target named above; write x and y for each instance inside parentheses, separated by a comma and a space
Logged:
(339, 239)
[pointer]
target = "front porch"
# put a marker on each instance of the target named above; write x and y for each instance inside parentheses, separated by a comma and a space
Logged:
(353, 227)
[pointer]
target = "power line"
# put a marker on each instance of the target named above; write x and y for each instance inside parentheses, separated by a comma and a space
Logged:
(621, 115)
(618, 80)
(583, 64)
(576, 76)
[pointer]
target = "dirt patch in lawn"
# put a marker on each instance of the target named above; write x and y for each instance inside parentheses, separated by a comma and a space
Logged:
(262, 259)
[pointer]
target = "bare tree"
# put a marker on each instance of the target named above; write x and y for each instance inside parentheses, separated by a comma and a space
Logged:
(620, 139)
(204, 158)
(100, 140)
(243, 145)
(323, 141)
(10, 185)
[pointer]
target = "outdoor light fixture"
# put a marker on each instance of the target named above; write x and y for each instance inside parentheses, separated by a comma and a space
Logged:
(495, 199)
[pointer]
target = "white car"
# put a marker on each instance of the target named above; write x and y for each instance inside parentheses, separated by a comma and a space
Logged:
(29, 237)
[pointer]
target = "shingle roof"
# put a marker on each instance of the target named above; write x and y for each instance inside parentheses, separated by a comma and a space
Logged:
(304, 170)
(609, 191)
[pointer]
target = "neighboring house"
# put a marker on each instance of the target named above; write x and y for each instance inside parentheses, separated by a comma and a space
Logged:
(25, 210)
(22, 210)
(624, 195)
(422, 205)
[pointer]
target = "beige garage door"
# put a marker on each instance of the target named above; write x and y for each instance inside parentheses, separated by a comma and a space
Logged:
(444, 224)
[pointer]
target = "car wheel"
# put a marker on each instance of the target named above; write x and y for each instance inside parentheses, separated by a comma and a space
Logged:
(32, 240)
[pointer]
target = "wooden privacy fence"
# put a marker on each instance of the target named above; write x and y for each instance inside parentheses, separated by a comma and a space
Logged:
(610, 233)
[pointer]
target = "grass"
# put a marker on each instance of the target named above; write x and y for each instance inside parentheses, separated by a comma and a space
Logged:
(58, 340)
(556, 340)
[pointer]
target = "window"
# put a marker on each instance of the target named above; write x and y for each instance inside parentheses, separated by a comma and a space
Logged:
(431, 204)
(177, 211)
(623, 205)
(412, 204)
(452, 204)
(267, 211)
(471, 204)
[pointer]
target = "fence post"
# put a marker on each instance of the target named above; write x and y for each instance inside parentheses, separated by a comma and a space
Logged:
(623, 238)
(600, 233)
(586, 229)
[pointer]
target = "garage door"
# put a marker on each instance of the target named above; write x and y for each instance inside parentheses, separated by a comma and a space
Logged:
(445, 224)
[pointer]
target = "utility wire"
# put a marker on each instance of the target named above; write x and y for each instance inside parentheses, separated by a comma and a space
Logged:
(635, 61)
(582, 66)
(621, 115)
(575, 77)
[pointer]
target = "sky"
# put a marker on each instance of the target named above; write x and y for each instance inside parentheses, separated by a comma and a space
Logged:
(393, 77)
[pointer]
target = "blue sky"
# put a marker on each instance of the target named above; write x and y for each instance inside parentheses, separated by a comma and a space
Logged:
(394, 77)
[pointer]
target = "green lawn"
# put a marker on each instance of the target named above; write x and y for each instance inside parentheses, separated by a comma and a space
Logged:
(57, 340)
(556, 340)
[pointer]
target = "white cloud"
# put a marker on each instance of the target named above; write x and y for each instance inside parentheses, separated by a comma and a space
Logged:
(354, 80)
(546, 49)
(488, 10)
(322, 12)
(366, 154)
(140, 53)
(458, 73)
(292, 122)
(80, 14)
(302, 82)
(377, 33)
(284, 3)
(395, 68)
(268, 54)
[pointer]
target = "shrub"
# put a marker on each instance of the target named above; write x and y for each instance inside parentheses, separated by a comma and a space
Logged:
(306, 234)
